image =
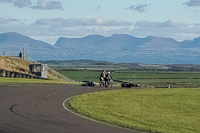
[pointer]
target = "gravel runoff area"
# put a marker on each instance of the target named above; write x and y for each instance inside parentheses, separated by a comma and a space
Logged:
(39, 109)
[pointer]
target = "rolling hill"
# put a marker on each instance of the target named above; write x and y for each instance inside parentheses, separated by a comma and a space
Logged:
(116, 48)
(13, 43)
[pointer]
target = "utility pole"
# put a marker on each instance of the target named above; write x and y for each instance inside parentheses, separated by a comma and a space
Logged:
(23, 53)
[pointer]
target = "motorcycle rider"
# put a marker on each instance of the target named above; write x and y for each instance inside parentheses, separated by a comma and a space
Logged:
(103, 75)
(109, 78)
(103, 79)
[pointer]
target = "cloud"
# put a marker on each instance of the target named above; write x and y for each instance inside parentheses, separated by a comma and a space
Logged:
(8, 24)
(7, 20)
(22, 3)
(6, 1)
(192, 3)
(71, 27)
(171, 28)
(79, 27)
(139, 8)
(47, 5)
(41, 4)
(173, 23)
(82, 22)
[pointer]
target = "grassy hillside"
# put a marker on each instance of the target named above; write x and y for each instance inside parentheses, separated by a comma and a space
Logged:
(14, 64)
(20, 65)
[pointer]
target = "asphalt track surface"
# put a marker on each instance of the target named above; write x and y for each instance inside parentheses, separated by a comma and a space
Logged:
(39, 109)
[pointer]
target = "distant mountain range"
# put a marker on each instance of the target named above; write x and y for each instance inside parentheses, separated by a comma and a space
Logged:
(116, 48)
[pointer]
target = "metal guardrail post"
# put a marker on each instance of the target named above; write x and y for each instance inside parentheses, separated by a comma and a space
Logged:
(2, 73)
(12, 74)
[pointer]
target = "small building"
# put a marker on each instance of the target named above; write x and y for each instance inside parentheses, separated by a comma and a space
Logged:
(39, 70)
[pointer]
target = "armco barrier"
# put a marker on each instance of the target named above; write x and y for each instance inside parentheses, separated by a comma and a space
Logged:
(27, 76)
(19, 75)
(4, 73)
(12, 74)
(23, 75)
(7, 73)
(16, 75)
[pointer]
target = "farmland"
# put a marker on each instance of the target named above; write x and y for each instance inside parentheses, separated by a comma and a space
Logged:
(147, 78)
(148, 75)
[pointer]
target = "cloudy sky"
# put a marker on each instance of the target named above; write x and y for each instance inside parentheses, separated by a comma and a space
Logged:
(47, 20)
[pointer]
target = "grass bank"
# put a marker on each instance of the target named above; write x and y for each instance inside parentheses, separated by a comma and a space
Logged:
(21, 66)
(14, 64)
(152, 110)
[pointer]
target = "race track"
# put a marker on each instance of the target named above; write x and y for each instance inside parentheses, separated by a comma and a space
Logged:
(39, 109)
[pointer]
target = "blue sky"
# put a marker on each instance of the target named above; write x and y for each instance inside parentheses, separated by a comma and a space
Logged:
(47, 20)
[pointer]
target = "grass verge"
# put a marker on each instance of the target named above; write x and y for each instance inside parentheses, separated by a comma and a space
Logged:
(152, 110)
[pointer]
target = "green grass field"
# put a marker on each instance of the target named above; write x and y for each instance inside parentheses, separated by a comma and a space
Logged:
(11, 81)
(152, 110)
(149, 78)
(80, 76)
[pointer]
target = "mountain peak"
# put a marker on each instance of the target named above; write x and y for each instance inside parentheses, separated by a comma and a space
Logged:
(12, 34)
(94, 36)
(8, 36)
(14, 39)
(151, 37)
(116, 48)
(121, 35)
(191, 43)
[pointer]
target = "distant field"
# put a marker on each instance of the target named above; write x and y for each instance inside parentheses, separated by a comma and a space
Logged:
(80, 76)
(149, 78)
(152, 110)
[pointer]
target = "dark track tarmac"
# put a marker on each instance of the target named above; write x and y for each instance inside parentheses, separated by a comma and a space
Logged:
(39, 109)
